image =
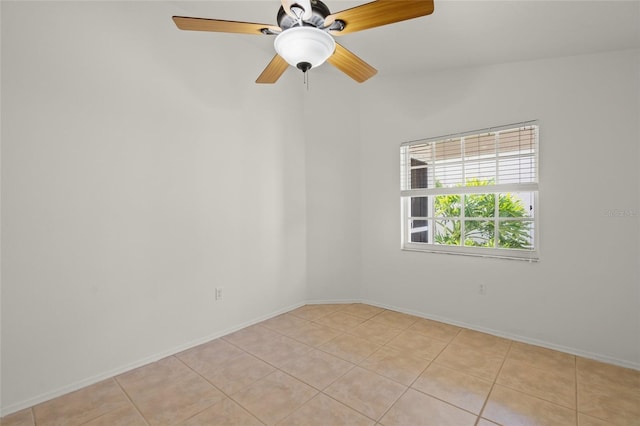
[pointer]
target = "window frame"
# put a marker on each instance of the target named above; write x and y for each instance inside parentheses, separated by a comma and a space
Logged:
(406, 196)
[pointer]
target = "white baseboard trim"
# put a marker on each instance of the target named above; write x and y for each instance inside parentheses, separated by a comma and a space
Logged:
(515, 337)
(5, 411)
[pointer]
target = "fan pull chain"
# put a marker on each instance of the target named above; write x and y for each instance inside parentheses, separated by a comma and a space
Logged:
(305, 79)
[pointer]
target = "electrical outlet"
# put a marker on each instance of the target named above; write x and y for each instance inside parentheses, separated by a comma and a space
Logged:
(218, 293)
(482, 289)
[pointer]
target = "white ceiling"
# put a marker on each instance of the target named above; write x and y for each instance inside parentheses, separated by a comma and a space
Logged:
(459, 33)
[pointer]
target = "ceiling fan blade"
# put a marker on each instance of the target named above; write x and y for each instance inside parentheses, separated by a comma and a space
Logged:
(273, 71)
(378, 13)
(217, 25)
(352, 65)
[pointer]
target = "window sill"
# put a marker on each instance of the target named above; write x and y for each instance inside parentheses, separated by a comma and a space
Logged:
(528, 256)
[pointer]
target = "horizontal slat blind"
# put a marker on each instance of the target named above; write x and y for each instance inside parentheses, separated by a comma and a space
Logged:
(494, 156)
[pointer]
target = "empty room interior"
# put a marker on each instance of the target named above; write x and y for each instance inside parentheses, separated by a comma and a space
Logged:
(438, 223)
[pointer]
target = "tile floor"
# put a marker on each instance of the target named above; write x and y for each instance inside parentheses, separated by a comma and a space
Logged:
(354, 365)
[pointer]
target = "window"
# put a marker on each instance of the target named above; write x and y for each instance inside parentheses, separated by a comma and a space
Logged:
(472, 193)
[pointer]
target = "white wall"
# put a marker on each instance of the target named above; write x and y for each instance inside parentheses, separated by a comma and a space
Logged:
(333, 187)
(584, 294)
(137, 175)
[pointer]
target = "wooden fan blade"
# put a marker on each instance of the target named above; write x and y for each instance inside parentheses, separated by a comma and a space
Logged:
(217, 25)
(352, 65)
(273, 71)
(378, 13)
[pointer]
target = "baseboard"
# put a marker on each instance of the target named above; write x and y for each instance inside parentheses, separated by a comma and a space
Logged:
(515, 337)
(5, 411)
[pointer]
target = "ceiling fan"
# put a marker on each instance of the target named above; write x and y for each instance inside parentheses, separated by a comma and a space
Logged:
(305, 30)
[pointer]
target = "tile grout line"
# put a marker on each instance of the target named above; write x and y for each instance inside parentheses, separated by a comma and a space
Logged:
(221, 391)
(407, 387)
(114, 409)
(542, 398)
(276, 368)
(392, 405)
(446, 402)
(410, 386)
(354, 366)
(322, 391)
(126, 394)
(493, 384)
(433, 361)
(348, 406)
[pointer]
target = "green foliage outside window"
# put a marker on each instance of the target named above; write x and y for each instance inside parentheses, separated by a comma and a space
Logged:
(514, 234)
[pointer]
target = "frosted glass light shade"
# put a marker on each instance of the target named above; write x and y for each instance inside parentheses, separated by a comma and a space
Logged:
(304, 44)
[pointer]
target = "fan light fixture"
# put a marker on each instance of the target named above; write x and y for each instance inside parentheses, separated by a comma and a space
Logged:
(305, 47)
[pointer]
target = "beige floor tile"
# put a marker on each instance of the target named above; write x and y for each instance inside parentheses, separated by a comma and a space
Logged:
(614, 403)
(20, 418)
(168, 392)
(396, 364)
(462, 390)
(313, 312)
(333, 306)
(416, 408)
(280, 350)
(418, 344)
(126, 416)
(584, 420)
(209, 355)
(252, 338)
(559, 389)
(341, 321)
(608, 392)
(365, 391)
(325, 411)
(436, 330)
(350, 348)
(470, 361)
(361, 310)
(375, 331)
(235, 374)
(396, 319)
(274, 397)
(598, 372)
(485, 422)
(224, 413)
(316, 368)
(543, 358)
(285, 324)
(81, 406)
(510, 407)
(315, 334)
(482, 342)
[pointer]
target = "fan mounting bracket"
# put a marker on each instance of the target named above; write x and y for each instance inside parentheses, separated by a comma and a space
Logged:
(319, 11)
(269, 31)
(337, 25)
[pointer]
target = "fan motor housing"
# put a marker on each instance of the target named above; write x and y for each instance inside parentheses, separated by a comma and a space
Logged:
(319, 12)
